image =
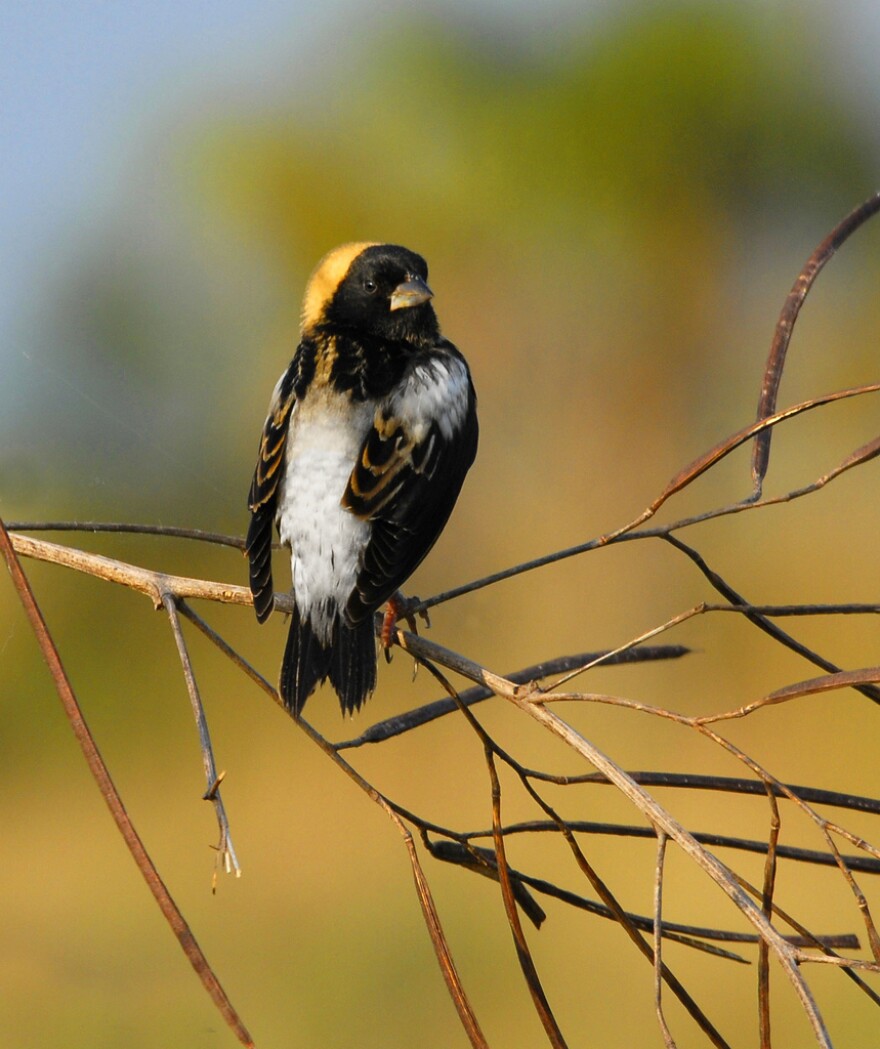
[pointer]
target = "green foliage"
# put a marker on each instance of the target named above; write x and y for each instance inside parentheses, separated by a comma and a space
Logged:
(671, 115)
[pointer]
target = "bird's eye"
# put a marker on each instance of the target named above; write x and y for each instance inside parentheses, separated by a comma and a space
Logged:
(370, 287)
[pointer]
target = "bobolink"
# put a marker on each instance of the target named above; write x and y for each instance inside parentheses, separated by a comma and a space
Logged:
(370, 433)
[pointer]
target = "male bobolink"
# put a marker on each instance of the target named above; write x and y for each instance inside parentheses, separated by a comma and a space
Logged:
(370, 433)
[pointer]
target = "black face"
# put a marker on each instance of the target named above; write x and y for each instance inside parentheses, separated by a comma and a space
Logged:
(362, 302)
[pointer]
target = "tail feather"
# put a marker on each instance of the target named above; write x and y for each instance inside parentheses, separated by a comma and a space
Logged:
(306, 664)
(349, 661)
(353, 663)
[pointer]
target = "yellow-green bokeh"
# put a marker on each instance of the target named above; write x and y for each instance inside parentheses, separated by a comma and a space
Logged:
(613, 211)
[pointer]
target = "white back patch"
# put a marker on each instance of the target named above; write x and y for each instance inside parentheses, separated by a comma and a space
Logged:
(436, 392)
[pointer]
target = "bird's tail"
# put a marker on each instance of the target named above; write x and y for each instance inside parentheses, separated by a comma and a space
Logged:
(349, 661)
(353, 663)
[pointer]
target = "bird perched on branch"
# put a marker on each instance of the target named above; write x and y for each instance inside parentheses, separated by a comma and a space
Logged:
(370, 432)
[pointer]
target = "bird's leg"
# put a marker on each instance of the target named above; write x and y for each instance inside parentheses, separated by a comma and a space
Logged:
(399, 607)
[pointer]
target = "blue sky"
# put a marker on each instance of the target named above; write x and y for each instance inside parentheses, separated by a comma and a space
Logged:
(82, 82)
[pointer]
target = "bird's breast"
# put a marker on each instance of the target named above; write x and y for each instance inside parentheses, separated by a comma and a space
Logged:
(326, 540)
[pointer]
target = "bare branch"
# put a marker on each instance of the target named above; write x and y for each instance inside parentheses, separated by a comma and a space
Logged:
(787, 957)
(125, 528)
(690, 473)
(225, 851)
(767, 907)
(785, 325)
(411, 719)
(521, 691)
(111, 796)
(551, 1027)
(668, 1040)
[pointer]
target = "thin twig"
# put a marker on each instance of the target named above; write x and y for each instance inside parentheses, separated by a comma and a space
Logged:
(807, 938)
(725, 841)
(411, 719)
(705, 860)
(485, 863)
(791, 952)
(690, 935)
(787, 956)
(542, 1006)
(124, 528)
(630, 923)
(141, 580)
(441, 947)
(231, 654)
(861, 899)
(111, 796)
(225, 851)
(610, 903)
(736, 785)
(767, 907)
(785, 325)
(628, 532)
(429, 911)
(668, 1040)
(760, 621)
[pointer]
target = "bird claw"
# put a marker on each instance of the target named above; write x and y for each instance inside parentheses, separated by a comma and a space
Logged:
(400, 607)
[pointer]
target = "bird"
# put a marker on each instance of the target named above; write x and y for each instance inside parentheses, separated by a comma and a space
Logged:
(370, 432)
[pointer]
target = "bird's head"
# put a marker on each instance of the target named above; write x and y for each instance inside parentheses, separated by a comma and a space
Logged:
(373, 289)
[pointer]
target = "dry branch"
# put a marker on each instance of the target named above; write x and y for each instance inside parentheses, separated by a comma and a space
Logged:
(522, 691)
(114, 802)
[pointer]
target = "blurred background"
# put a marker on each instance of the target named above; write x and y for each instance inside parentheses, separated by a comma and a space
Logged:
(614, 199)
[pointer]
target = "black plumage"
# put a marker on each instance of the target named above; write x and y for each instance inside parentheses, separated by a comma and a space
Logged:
(369, 436)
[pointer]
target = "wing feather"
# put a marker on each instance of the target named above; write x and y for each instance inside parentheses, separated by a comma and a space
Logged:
(263, 496)
(407, 478)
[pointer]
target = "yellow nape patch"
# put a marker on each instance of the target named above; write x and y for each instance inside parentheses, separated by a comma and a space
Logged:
(326, 278)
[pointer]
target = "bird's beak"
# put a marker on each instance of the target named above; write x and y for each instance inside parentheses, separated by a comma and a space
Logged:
(412, 292)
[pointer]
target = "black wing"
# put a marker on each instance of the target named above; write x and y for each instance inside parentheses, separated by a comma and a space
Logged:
(264, 491)
(406, 482)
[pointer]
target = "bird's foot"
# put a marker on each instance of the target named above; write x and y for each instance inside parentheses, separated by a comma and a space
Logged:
(400, 607)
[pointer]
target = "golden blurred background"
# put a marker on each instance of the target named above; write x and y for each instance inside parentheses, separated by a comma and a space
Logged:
(614, 201)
